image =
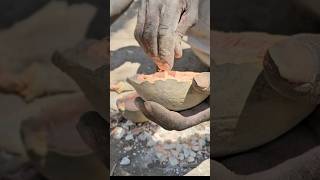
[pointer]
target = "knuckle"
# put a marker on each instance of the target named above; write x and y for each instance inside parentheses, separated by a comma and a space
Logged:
(147, 35)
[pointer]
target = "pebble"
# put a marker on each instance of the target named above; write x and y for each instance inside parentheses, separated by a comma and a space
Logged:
(186, 152)
(194, 142)
(118, 132)
(174, 153)
(202, 142)
(192, 154)
(208, 138)
(196, 148)
(143, 136)
(129, 137)
(128, 148)
(151, 142)
(190, 159)
(125, 161)
(181, 157)
(179, 147)
(168, 146)
(162, 157)
(173, 161)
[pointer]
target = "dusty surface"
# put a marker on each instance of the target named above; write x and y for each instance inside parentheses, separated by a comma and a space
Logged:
(152, 150)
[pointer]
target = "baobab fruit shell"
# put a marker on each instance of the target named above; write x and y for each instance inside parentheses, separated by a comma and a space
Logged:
(173, 90)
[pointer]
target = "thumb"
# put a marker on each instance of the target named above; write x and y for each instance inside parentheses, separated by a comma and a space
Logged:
(178, 48)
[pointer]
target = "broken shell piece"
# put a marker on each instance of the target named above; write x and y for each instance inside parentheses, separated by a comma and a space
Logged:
(173, 89)
(121, 86)
(129, 110)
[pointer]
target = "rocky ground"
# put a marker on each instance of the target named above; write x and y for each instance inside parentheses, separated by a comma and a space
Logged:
(147, 149)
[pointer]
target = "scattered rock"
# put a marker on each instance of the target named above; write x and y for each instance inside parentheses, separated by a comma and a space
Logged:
(186, 152)
(143, 136)
(127, 124)
(179, 147)
(191, 159)
(118, 132)
(151, 142)
(196, 148)
(181, 157)
(129, 137)
(125, 161)
(128, 148)
(168, 146)
(173, 161)
(202, 142)
(192, 154)
(136, 131)
(175, 153)
(162, 157)
(207, 138)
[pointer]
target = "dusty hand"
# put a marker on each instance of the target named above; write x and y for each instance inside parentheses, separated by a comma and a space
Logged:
(172, 120)
(160, 27)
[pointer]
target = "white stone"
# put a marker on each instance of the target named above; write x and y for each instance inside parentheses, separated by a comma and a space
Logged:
(144, 136)
(151, 142)
(179, 147)
(125, 161)
(118, 132)
(129, 137)
(128, 148)
(202, 142)
(168, 146)
(162, 157)
(174, 153)
(186, 152)
(129, 123)
(181, 157)
(196, 148)
(190, 159)
(192, 154)
(173, 161)
(208, 138)
(194, 142)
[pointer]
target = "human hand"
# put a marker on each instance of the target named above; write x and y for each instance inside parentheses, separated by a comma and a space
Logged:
(160, 27)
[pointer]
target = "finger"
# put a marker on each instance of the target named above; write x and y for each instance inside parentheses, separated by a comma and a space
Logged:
(178, 48)
(170, 120)
(166, 35)
(173, 120)
(158, 118)
(188, 18)
(140, 23)
(149, 36)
